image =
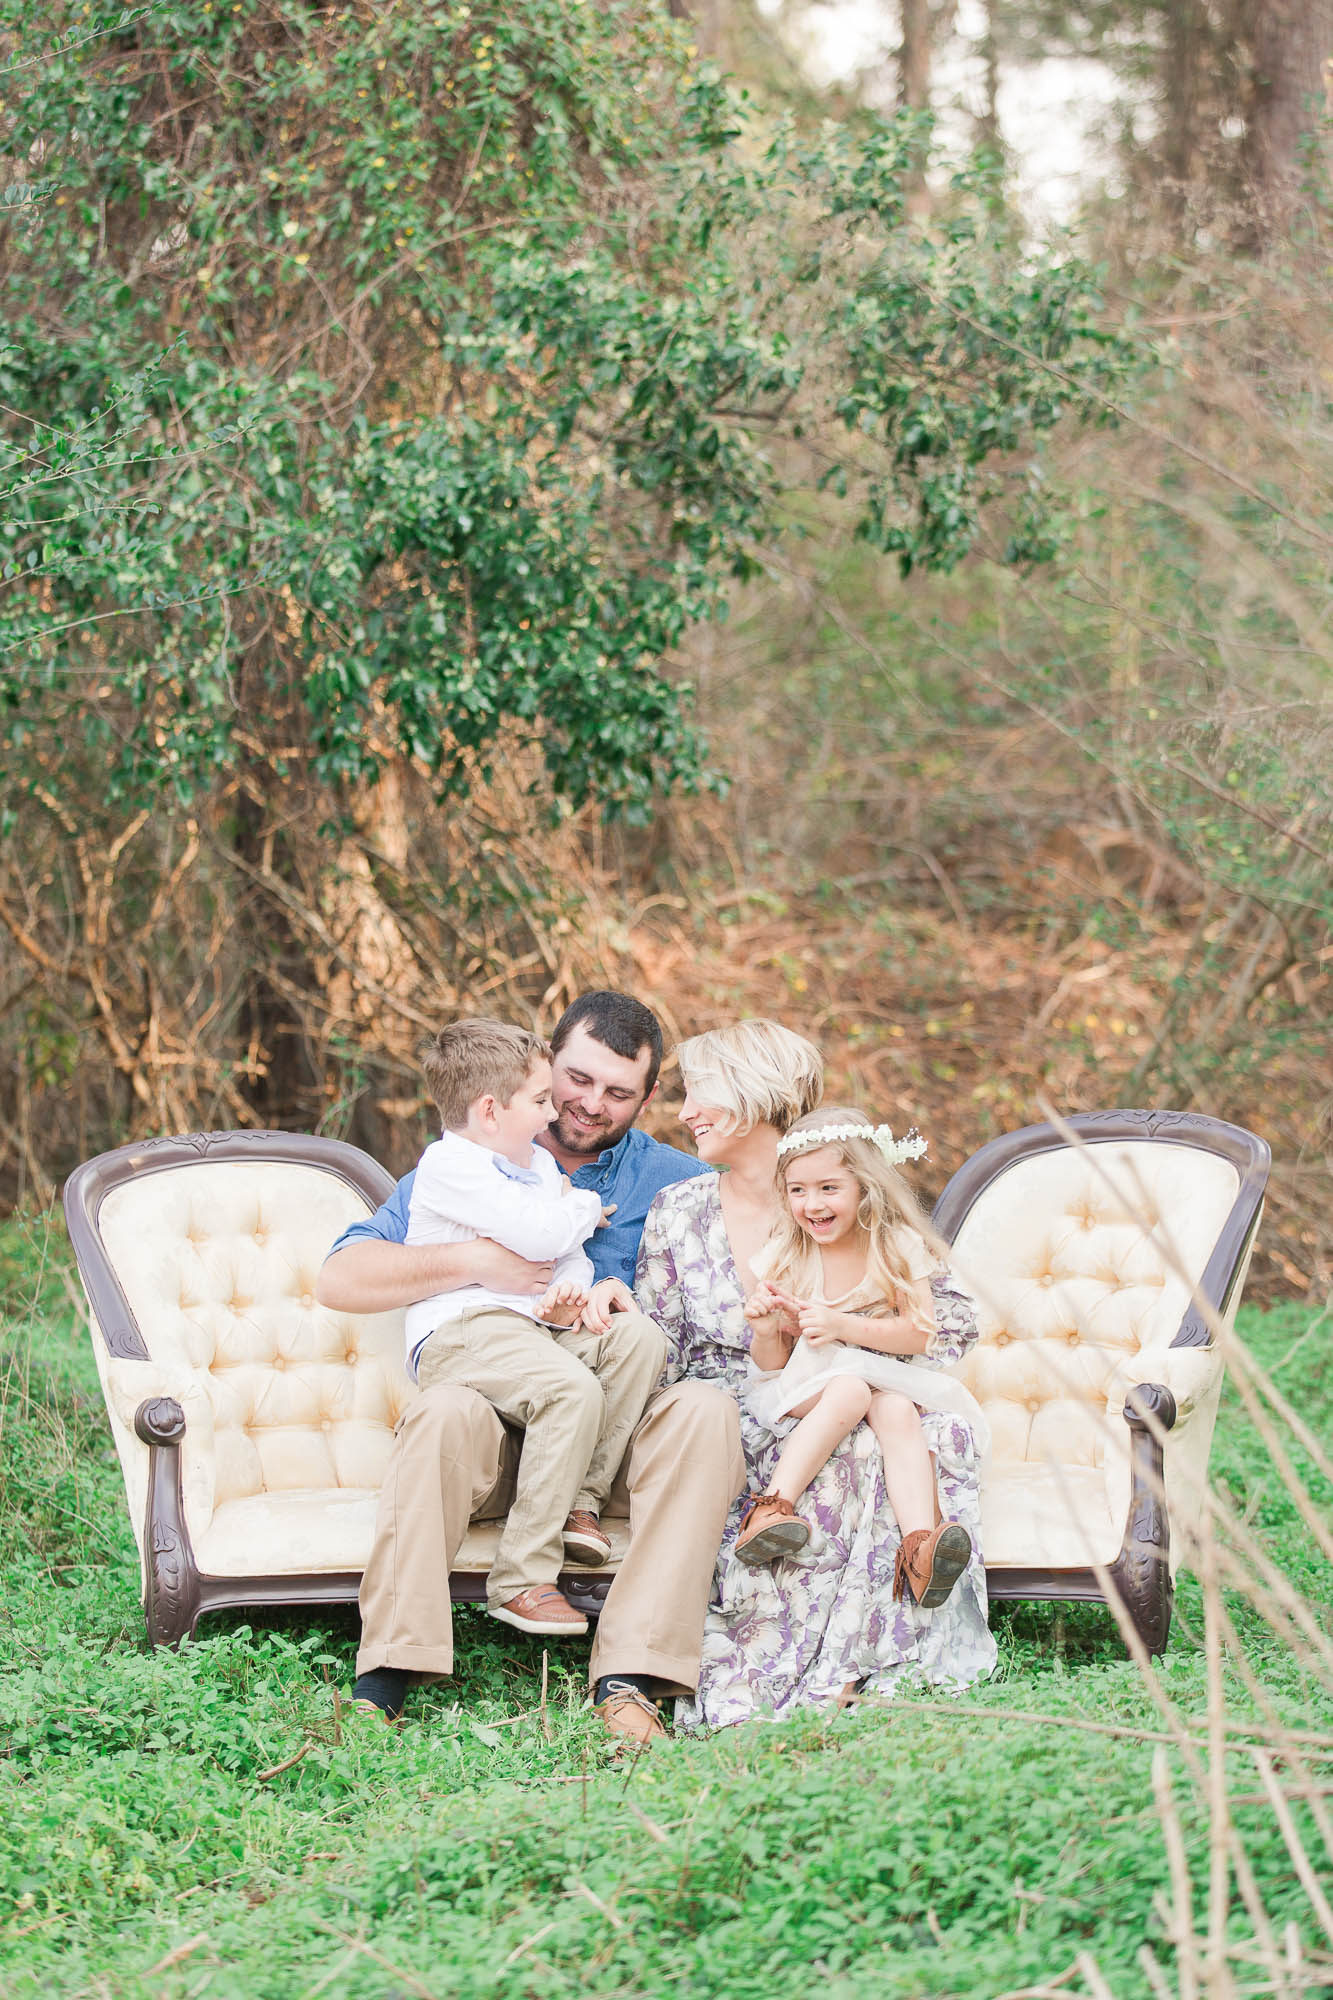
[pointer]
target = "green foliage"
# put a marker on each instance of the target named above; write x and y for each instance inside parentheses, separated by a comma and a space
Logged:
(401, 385)
(945, 1848)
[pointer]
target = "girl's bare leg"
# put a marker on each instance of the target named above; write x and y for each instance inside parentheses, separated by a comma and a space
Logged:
(833, 1415)
(909, 1474)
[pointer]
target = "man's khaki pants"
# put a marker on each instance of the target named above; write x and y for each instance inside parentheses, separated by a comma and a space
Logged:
(454, 1461)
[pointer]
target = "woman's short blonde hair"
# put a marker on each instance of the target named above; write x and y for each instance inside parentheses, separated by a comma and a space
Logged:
(759, 1072)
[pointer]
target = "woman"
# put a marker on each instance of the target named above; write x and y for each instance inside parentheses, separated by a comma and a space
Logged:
(807, 1631)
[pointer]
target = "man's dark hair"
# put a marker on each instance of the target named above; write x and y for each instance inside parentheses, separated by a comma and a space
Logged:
(623, 1024)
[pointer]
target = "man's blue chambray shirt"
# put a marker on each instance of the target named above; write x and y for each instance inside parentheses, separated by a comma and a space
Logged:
(626, 1176)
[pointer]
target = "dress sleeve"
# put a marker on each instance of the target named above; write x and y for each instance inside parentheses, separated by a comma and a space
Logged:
(657, 1288)
(955, 1320)
(916, 1253)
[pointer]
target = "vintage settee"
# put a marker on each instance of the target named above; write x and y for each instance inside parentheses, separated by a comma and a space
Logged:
(254, 1426)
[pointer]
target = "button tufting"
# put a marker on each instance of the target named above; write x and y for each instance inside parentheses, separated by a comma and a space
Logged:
(1072, 1338)
(278, 1361)
(352, 1357)
(1046, 1278)
(1002, 1339)
(1034, 1404)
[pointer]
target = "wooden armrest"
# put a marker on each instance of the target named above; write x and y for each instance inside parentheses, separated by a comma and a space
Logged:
(1149, 1406)
(160, 1420)
(1184, 1375)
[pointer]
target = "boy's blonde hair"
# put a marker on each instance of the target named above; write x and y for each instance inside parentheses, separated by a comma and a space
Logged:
(887, 1203)
(757, 1071)
(478, 1058)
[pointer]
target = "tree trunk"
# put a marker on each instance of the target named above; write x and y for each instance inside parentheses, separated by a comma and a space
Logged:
(914, 56)
(988, 125)
(1185, 53)
(1292, 49)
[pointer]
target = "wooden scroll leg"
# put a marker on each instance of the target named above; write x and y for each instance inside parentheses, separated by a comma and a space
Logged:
(1141, 1573)
(171, 1580)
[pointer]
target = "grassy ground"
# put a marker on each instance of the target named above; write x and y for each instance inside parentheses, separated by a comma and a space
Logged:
(149, 1846)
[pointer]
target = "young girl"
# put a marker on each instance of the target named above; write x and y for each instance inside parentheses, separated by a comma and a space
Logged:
(843, 1309)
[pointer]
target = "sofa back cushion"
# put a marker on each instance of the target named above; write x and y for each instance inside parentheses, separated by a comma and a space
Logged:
(218, 1262)
(1074, 1281)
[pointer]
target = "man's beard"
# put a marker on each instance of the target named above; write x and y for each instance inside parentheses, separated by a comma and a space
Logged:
(590, 1140)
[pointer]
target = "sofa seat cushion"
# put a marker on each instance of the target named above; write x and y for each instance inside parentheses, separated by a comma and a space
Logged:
(1048, 1517)
(289, 1534)
(326, 1531)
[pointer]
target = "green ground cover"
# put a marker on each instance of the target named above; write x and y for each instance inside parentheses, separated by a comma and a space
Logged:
(148, 1846)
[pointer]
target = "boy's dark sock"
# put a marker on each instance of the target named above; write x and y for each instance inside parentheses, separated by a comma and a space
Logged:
(645, 1684)
(386, 1687)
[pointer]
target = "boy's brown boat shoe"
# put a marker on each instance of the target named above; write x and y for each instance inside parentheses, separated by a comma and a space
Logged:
(585, 1541)
(542, 1609)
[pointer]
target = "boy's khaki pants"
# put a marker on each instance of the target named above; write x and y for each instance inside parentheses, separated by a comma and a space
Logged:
(577, 1397)
(455, 1461)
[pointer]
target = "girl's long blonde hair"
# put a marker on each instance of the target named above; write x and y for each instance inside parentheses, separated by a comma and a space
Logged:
(887, 1204)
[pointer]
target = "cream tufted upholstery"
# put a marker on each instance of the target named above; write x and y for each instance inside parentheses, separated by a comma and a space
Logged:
(199, 1257)
(1078, 1301)
(290, 1409)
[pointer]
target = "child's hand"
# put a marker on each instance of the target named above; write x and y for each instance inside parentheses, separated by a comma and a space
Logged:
(821, 1325)
(607, 1213)
(563, 1304)
(608, 1296)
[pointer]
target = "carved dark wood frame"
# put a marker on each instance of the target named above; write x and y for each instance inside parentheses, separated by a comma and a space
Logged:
(1140, 1576)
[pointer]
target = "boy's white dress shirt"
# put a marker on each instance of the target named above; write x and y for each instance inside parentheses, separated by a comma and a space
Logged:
(463, 1191)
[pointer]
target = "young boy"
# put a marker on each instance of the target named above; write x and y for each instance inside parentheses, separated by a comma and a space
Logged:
(576, 1394)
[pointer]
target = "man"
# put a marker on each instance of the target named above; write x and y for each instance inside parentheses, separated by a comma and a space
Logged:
(454, 1460)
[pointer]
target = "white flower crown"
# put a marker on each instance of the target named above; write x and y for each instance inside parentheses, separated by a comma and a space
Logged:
(895, 1151)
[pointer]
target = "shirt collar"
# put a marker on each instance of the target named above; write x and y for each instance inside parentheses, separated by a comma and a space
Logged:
(610, 1160)
(528, 1175)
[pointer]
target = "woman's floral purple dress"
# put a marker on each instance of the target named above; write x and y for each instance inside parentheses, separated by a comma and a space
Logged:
(792, 1634)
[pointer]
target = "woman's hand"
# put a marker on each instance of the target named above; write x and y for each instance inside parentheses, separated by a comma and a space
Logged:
(772, 1331)
(763, 1308)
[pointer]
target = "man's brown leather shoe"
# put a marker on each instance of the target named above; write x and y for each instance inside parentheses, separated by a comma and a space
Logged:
(584, 1541)
(631, 1715)
(542, 1609)
(770, 1527)
(930, 1563)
